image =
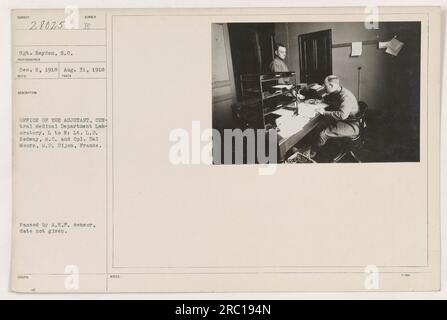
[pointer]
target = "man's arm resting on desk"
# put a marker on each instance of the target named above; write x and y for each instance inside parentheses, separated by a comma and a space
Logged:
(346, 107)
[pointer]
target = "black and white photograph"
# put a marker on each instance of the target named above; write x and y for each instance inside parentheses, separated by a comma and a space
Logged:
(316, 92)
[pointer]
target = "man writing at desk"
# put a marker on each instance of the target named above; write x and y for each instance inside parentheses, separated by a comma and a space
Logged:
(339, 123)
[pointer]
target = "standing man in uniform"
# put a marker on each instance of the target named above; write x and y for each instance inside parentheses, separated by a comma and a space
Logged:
(278, 64)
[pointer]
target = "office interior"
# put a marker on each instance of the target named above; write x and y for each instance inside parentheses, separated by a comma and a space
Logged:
(389, 84)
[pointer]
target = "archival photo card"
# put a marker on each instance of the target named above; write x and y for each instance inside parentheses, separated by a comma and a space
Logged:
(151, 149)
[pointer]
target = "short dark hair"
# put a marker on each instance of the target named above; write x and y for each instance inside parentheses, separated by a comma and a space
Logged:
(332, 78)
(277, 45)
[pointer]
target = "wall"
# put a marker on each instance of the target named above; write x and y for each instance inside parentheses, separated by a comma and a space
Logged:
(374, 62)
(224, 93)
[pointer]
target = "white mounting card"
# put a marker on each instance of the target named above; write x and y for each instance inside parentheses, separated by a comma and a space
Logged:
(117, 188)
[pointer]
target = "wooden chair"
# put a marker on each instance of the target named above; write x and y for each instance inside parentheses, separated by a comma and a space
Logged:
(349, 146)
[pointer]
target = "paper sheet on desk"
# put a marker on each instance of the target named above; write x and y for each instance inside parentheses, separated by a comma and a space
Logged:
(283, 112)
(293, 125)
(285, 117)
(307, 113)
(283, 86)
(309, 110)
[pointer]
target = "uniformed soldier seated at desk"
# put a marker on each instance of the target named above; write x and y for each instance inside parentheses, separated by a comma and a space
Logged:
(339, 119)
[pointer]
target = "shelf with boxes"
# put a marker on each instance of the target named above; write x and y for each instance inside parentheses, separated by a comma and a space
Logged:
(263, 94)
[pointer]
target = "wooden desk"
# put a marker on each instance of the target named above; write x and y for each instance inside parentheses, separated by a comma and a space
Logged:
(288, 136)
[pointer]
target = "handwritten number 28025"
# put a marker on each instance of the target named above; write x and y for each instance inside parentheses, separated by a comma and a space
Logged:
(46, 25)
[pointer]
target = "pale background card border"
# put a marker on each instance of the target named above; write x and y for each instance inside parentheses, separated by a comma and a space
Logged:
(4, 245)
